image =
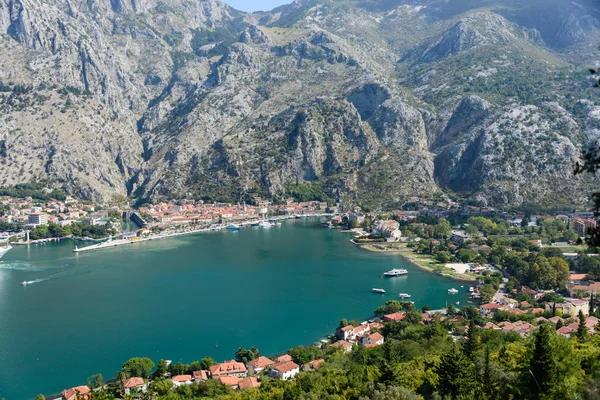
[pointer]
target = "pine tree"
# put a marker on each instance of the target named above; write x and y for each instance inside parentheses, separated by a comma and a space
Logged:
(542, 366)
(473, 343)
(456, 375)
(582, 330)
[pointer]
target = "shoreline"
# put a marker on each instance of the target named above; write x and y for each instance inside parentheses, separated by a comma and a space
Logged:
(411, 260)
(121, 242)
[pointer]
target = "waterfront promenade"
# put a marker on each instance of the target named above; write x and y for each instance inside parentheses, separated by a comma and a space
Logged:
(164, 235)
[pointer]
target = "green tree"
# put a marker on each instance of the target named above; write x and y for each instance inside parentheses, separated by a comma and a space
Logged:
(443, 257)
(353, 224)
(442, 229)
(245, 356)
(582, 330)
(473, 342)
(138, 366)
(40, 397)
(542, 364)
(161, 386)
(390, 307)
(161, 368)
(456, 375)
(207, 362)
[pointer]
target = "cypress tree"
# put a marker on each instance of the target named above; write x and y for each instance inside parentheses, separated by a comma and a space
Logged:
(473, 343)
(542, 366)
(456, 375)
(582, 330)
(592, 304)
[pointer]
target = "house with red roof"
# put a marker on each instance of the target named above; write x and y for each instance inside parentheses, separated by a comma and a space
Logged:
(313, 365)
(488, 309)
(200, 376)
(374, 338)
(397, 316)
(283, 358)
(231, 381)
(228, 368)
(248, 383)
(343, 345)
(565, 331)
(75, 393)
(180, 380)
(136, 385)
(345, 333)
(259, 364)
(284, 370)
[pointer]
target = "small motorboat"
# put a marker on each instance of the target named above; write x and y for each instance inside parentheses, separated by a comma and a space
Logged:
(471, 289)
(458, 303)
(404, 295)
(233, 227)
(24, 283)
(452, 291)
(376, 290)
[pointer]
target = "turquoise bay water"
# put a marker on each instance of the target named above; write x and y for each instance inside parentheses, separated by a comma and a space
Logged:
(185, 298)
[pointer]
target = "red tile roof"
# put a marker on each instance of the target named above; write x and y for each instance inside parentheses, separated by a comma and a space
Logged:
(72, 393)
(201, 375)
(342, 344)
(181, 378)
(249, 383)
(261, 362)
(376, 337)
(315, 363)
(286, 357)
(285, 366)
(133, 382)
(227, 368)
(397, 316)
(229, 380)
(577, 277)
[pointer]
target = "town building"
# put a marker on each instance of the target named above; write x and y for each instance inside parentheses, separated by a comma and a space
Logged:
(35, 219)
(259, 364)
(284, 370)
(135, 385)
(248, 383)
(75, 393)
(180, 380)
(228, 368)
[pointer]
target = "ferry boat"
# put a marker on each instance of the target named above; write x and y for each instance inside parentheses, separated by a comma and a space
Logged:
(404, 295)
(396, 272)
(233, 227)
(375, 290)
(452, 291)
(265, 224)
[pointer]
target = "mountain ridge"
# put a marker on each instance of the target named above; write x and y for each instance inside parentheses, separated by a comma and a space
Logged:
(170, 99)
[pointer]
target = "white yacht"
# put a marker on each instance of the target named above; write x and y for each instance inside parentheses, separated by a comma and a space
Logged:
(375, 290)
(265, 224)
(452, 291)
(396, 272)
(404, 295)
(24, 283)
(233, 227)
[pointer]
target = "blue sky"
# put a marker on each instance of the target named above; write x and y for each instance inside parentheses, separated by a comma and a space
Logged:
(256, 5)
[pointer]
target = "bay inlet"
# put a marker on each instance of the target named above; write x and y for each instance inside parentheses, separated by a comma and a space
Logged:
(187, 297)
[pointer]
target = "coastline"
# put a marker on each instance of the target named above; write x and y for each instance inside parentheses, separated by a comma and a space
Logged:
(121, 242)
(411, 260)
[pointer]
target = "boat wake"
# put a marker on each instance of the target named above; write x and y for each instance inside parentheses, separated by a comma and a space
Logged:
(60, 275)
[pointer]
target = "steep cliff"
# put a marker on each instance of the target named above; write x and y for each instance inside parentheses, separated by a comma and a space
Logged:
(369, 100)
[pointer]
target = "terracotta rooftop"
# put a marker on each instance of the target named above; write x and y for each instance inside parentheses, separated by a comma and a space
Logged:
(181, 378)
(261, 362)
(285, 366)
(133, 382)
(249, 383)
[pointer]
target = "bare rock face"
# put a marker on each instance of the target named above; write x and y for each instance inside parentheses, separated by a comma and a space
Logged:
(370, 100)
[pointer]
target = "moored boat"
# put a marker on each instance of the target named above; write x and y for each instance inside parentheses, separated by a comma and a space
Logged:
(265, 224)
(452, 291)
(376, 290)
(471, 289)
(395, 272)
(404, 295)
(233, 227)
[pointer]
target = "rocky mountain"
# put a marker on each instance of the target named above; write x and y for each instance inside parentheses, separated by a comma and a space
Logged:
(366, 100)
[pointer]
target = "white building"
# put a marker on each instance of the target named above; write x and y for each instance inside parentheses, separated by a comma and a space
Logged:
(37, 219)
(285, 370)
(389, 229)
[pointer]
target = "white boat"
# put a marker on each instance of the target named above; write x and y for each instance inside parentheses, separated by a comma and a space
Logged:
(233, 227)
(375, 290)
(396, 272)
(452, 291)
(471, 289)
(265, 224)
(458, 303)
(4, 250)
(24, 283)
(404, 295)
